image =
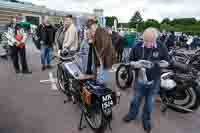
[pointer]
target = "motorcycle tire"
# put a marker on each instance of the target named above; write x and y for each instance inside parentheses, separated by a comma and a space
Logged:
(61, 80)
(193, 102)
(92, 122)
(195, 62)
(127, 73)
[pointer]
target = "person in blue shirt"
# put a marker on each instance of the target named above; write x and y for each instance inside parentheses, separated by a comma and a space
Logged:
(149, 49)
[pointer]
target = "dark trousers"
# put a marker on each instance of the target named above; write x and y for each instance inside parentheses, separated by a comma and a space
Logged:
(16, 53)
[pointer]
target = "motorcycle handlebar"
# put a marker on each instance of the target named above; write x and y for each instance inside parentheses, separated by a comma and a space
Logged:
(67, 57)
(148, 64)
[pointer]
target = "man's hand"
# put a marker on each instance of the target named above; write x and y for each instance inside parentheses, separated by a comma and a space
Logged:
(18, 43)
(90, 41)
(136, 64)
(59, 51)
(145, 63)
(41, 42)
(163, 64)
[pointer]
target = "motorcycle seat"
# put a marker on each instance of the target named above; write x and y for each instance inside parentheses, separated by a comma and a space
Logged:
(97, 88)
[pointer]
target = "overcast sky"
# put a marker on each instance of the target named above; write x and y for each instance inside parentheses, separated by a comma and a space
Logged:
(124, 9)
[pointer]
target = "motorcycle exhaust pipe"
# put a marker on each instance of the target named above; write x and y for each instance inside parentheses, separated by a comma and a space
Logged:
(180, 107)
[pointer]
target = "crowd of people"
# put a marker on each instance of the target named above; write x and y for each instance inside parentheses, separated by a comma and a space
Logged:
(99, 46)
(184, 41)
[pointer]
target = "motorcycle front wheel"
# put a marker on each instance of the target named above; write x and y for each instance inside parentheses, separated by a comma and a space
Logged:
(61, 80)
(124, 77)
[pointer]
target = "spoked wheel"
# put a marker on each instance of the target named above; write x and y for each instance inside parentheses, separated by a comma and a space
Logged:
(188, 99)
(124, 77)
(95, 119)
(61, 80)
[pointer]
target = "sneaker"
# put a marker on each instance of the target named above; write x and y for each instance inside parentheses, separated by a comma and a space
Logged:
(43, 68)
(49, 67)
(128, 119)
(27, 72)
(17, 71)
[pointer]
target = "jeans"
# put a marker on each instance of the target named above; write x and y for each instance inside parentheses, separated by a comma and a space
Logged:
(46, 55)
(149, 92)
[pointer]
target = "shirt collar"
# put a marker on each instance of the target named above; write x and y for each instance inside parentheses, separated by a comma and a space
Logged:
(155, 45)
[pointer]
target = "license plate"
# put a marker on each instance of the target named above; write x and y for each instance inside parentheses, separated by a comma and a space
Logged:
(107, 101)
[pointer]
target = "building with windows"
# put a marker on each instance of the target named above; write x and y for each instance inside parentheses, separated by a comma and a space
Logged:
(32, 13)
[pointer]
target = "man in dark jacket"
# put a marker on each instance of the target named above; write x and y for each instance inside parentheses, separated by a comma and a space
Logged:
(45, 34)
(170, 42)
(151, 50)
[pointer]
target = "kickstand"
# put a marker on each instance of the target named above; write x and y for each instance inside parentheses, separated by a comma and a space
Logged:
(81, 121)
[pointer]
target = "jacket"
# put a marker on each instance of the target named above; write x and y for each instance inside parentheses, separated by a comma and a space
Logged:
(59, 38)
(104, 48)
(10, 35)
(45, 34)
(71, 38)
(138, 52)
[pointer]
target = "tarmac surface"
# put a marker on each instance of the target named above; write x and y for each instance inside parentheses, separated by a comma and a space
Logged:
(29, 106)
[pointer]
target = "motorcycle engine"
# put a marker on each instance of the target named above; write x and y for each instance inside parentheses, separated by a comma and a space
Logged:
(167, 83)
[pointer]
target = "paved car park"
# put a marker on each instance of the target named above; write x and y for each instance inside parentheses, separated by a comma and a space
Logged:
(33, 104)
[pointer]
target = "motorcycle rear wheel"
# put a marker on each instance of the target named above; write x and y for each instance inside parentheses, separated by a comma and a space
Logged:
(190, 99)
(95, 119)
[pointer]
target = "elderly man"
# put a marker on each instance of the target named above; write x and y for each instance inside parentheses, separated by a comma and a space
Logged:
(150, 49)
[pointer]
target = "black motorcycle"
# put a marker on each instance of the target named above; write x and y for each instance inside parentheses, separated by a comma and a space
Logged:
(95, 100)
(190, 59)
(180, 86)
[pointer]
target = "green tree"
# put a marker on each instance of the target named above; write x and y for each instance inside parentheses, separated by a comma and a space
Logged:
(165, 21)
(184, 21)
(140, 27)
(136, 19)
(166, 27)
(110, 20)
(151, 23)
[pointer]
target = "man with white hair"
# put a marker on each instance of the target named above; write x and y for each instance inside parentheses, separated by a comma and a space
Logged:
(149, 49)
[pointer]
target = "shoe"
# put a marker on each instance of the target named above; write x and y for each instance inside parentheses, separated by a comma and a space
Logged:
(147, 126)
(43, 68)
(127, 119)
(17, 71)
(27, 72)
(49, 67)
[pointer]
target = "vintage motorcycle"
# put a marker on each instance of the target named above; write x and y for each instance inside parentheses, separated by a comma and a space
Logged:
(180, 86)
(95, 100)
